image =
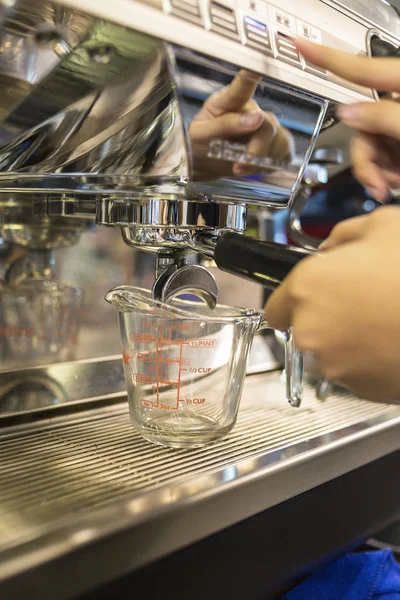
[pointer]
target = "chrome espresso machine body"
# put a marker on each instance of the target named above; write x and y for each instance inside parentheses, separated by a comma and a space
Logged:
(105, 121)
(100, 106)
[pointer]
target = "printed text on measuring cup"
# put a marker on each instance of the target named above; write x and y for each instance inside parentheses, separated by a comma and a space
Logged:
(164, 362)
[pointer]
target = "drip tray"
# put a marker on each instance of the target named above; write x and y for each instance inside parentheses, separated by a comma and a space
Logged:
(72, 480)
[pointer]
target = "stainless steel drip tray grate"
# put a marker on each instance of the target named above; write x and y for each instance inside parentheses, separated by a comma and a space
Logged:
(59, 470)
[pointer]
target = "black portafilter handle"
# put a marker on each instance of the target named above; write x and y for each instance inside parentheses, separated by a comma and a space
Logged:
(267, 263)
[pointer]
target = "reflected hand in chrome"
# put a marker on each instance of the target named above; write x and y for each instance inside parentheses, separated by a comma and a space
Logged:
(233, 115)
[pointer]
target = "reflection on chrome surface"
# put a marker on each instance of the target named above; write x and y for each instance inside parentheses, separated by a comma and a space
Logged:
(44, 387)
(39, 322)
(104, 108)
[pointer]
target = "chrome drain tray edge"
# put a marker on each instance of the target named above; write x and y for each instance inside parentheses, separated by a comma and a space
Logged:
(178, 513)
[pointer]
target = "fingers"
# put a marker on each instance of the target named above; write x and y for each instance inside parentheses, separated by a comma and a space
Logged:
(234, 96)
(357, 228)
(279, 307)
(363, 152)
(373, 117)
(347, 231)
(259, 144)
(283, 146)
(232, 113)
(270, 140)
(382, 74)
(393, 179)
(227, 126)
(284, 304)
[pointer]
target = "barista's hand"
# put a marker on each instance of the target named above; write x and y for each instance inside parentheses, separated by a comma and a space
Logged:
(344, 305)
(233, 115)
(375, 149)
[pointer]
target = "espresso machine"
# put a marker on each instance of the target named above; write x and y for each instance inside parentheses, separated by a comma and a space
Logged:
(118, 146)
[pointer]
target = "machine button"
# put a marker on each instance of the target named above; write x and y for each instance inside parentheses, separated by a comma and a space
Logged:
(187, 9)
(223, 19)
(257, 34)
(314, 35)
(309, 68)
(286, 49)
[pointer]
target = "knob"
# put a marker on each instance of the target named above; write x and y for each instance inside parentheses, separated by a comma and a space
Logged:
(382, 49)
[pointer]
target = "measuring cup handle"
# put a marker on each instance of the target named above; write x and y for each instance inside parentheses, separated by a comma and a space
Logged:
(294, 370)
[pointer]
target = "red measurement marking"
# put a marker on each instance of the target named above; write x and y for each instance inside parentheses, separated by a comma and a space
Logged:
(188, 362)
(202, 343)
(156, 358)
(139, 378)
(183, 326)
(170, 361)
(170, 342)
(195, 400)
(178, 391)
(141, 337)
(145, 357)
(146, 403)
(127, 358)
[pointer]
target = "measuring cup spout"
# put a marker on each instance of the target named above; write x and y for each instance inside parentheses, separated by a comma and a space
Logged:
(127, 298)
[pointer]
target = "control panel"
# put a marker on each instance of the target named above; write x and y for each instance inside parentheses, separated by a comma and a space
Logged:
(258, 34)
(254, 23)
(270, 28)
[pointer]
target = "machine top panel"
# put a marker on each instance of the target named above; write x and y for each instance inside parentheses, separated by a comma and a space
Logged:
(255, 34)
(378, 13)
(106, 98)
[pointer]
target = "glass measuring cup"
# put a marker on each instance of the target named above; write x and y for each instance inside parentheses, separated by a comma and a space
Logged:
(185, 365)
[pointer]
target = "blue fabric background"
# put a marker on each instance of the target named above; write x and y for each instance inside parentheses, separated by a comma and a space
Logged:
(363, 576)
